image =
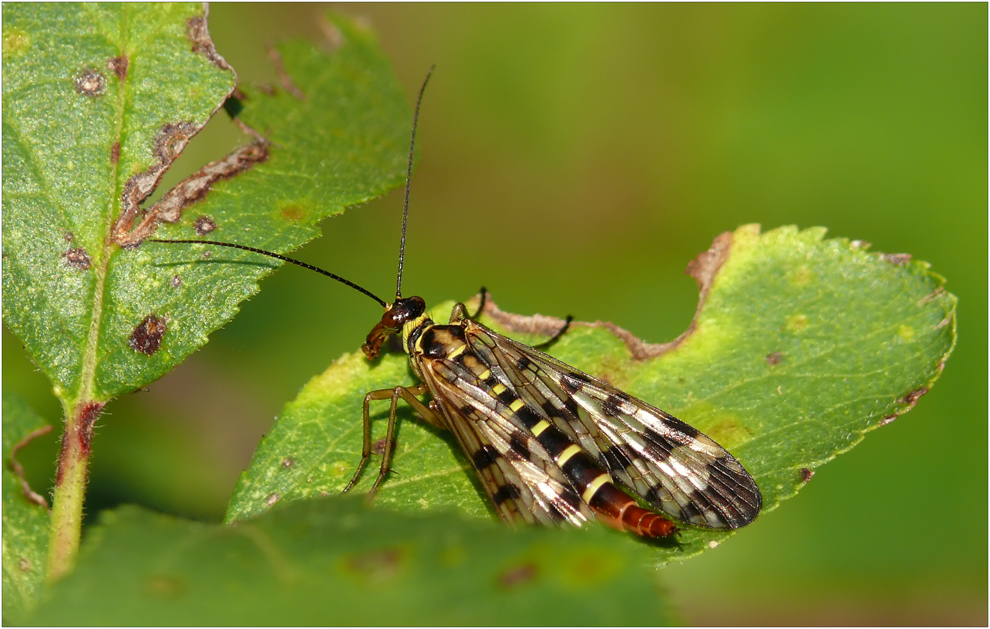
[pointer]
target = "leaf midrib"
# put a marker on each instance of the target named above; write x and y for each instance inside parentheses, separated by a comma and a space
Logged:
(90, 361)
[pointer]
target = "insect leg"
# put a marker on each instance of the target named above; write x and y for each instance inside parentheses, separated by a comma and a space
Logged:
(409, 395)
(483, 293)
(457, 314)
(553, 339)
(380, 394)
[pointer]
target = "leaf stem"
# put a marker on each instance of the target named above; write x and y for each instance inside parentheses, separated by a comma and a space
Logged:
(70, 489)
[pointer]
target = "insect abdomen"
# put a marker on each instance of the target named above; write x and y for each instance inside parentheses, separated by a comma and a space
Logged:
(613, 506)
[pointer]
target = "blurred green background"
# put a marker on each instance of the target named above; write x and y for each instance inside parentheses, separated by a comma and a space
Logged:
(574, 159)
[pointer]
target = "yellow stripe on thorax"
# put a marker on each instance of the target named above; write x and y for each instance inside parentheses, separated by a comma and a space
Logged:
(412, 325)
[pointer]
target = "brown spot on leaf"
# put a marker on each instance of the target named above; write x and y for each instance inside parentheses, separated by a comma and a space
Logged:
(376, 566)
(272, 499)
(115, 153)
(288, 462)
(912, 398)
(774, 358)
(293, 212)
(69, 236)
(378, 447)
(897, 259)
(517, 575)
(118, 65)
(147, 336)
(77, 258)
(175, 282)
(91, 83)
(806, 474)
(204, 225)
(909, 400)
(199, 35)
(166, 587)
(24, 564)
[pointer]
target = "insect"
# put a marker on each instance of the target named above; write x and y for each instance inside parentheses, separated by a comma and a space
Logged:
(548, 442)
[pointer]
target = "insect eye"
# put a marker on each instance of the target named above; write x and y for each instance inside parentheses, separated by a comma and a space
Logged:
(391, 319)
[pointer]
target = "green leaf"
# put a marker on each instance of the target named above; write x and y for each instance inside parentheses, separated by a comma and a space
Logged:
(800, 346)
(98, 100)
(336, 562)
(25, 522)
(87, 90)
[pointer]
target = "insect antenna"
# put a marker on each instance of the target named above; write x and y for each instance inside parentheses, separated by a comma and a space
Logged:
(381, 302)
(405, 207)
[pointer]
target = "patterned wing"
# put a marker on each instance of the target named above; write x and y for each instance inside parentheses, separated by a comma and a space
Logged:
(516, 471)
(661, 459)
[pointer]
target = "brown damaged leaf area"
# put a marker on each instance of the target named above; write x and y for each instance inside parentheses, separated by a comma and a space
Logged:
(18, 469)
(703, 269)
(199, 35)
(133, 224)
(193, 189)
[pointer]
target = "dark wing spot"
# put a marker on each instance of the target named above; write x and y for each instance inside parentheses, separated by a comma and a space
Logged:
(572, 406)
(523, 363)
(571, 382)
(618, 457)
(485, 456)
(506, 492)
(613, 405)
(550, 409)
(520, 446)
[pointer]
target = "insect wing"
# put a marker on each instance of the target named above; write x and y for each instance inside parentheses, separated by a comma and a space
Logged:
(661, 459)
(515, 470)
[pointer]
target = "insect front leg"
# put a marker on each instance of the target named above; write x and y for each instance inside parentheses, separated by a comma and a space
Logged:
(409, 395)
